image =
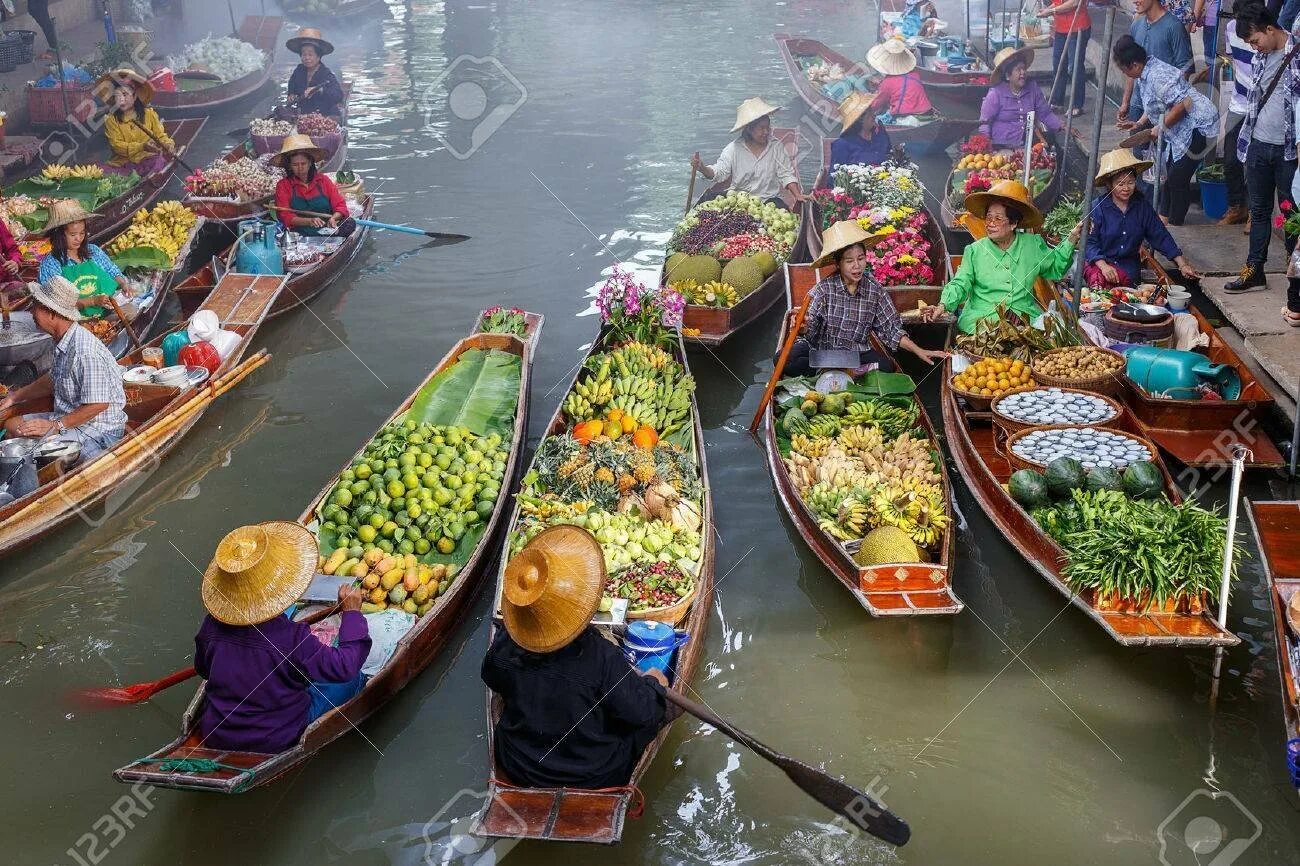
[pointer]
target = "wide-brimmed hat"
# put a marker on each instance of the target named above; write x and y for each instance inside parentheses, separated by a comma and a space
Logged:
(1006, 58)
(891, 57)
(58, 295)
(123, 77)
(63, 212)
(841, 236)
(552, 588)
(297, 143)
(750, 110)
(1010, 192)
(258, 571)
(1118, 160)
(310, 36)
(853, 107)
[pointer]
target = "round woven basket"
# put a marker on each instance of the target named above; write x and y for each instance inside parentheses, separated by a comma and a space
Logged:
(1018, 462)
(1111, 384)
(1011, 425)
(672, 614)
(980, 402)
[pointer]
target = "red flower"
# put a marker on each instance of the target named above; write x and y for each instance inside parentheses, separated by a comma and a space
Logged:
(1277, 222)
(1286, 206)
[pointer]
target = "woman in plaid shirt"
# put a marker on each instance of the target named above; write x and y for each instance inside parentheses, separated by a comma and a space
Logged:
(848, 308)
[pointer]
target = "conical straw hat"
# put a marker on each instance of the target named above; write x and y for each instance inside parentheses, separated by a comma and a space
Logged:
(1006, 58)
(750, 110)
(843, 235)
(310, 36)
(119, 78)
(552, 588)
(64, 212)
(297, 143)
(854, 106)
(258, 571)
(1010, 192)
(1120, 159)
(891, 57)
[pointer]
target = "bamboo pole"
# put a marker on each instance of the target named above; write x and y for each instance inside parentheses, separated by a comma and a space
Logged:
(1097, 119)
(1239, 453)
(780, 364)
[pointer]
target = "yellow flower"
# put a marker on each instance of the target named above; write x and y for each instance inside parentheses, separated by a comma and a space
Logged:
(690, 332)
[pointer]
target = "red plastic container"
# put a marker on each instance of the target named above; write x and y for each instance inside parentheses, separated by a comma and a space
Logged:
(163, 80)
(200, 354)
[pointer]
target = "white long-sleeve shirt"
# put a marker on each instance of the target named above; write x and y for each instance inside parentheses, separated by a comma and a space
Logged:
(764, 175)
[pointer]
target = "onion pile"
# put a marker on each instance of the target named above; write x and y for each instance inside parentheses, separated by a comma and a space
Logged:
(316, 125)
(244, 179)
(270, 127)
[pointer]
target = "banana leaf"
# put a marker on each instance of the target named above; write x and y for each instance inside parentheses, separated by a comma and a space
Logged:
(69, 188)
(878, 384)
(478, 392)
(146, 257)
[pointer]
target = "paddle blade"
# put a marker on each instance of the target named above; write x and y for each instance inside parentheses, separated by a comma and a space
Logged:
(858, 807)
(133, 694)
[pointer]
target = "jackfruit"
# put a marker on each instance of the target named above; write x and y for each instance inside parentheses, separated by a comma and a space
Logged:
(743, 274)
(701, 269)
(766, 261)
(886, 544)
(671, 265)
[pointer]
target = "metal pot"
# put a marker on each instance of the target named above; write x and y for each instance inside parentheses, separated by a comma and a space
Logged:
(17, 467)
(57, 449)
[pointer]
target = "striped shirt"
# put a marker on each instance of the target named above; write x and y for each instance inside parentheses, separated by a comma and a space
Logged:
(838, 320)
(1242, 56)
(1287, 89)
(85, 372)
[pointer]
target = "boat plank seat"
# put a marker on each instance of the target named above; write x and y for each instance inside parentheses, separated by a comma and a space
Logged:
(894, 602)
(560, 814)
(1278, 532)
(239, 299)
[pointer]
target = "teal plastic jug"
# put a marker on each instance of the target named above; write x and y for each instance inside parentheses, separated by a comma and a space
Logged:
(1177, 374)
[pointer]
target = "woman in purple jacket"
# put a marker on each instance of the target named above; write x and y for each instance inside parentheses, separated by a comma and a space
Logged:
(268, 677)
(1011, 98)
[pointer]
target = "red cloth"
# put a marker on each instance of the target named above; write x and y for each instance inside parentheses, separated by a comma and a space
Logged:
(320, 185)
(8, 247)
(1093, 277)
(902, 94)
(1077, 16)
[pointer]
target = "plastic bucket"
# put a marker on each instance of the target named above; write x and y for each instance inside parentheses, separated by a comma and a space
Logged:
(651, 645)
(1214, 198)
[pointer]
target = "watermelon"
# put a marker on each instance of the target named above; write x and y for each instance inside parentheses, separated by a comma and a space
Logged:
(1103, 478)
(1028, 487)
(1064, 474)
(1142, 480)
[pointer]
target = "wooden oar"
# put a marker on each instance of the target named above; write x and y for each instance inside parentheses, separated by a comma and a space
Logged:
(126, 325)
(132, 694)
(690, 190)
(780, 365)
(176, 154)
(410, 230)
(840, 797)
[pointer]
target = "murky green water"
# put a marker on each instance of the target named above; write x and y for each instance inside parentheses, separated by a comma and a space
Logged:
(1015, 733)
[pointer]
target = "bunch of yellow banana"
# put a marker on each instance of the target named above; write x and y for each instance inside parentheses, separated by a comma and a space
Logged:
(165, 227)
(64, 172)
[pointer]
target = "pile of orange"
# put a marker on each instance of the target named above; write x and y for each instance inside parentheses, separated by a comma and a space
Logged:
(994, 161)
(993, 377)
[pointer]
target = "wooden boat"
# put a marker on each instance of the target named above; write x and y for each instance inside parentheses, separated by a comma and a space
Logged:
(979, 460)
(157, 418)
(573, 815)
(231, 210)
(259, 31)
(302, 287)
(923, 138)
(241, 771)
(345, 10)
(896, 589)
(956, 93)
(1277, 526)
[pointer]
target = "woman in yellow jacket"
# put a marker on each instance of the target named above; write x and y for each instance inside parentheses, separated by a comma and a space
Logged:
(134, 131)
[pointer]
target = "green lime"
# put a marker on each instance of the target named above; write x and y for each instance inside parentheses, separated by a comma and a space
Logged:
(367, 534)
(422, 546)
(395, 489)
(343, 497)
(376, 520)
(388, 529)
(363, 471)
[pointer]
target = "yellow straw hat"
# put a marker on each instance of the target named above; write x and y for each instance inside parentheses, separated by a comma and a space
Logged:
(1010, 192)
(120, 78)
(552, 588)
(891, 57)
(258, 571)
(1118, 160)
(854, 106)
(1006, 58)
(310, 36)
(63, 212)
(297, 143)
(841, 236)
(750, 110)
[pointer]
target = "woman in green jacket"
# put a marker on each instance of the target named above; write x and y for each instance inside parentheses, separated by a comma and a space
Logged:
(1001, 267)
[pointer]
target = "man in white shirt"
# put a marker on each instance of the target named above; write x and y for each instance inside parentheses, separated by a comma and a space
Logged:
(756, 162)
(1234, 174)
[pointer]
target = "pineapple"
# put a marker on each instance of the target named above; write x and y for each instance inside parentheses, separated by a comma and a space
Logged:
(604, 475)
(572, 465)
(626, 483)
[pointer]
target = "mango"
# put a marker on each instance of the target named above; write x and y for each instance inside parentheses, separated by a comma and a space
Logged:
(371, 580)
(411, 579)
(335, 560)
(392, 577)
(377, 595)
(359, 571)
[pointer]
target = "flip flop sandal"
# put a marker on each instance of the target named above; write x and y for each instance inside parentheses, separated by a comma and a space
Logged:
(1292, 319)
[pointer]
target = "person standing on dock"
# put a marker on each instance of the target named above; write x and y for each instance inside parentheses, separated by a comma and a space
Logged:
(1234, 172)
(1071, 31)
(1164, 38)
(1266, 143)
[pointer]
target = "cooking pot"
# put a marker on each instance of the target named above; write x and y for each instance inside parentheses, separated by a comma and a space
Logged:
(17, 467)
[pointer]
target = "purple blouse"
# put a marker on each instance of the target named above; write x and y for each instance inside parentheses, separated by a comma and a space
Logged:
(258, 678)
(1002, 116)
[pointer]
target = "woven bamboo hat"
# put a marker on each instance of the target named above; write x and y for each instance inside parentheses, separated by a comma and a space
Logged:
(65, 212)
(58, 295)
(841, 236)
(750, 110)
(1006, 58)
(1293, 613)
(123, 78)
(297, 143)
(310, 36)
(552, 588)
(258, 571)
(1010, 192)
(891, 57)
(854, 106)
(1118, 160)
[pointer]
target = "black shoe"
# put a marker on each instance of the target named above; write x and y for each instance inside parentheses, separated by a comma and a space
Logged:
(1251, 279)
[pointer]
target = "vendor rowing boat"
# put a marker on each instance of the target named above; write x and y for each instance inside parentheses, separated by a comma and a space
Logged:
(448, 401)
(197, 93)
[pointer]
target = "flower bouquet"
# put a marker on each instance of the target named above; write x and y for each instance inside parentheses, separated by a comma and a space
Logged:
(635, 312)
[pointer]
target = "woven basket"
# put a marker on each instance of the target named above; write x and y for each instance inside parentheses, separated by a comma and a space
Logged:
(16, 49)
(1110, 384)
(1011, 425)
(673, 614)
(1018, 462)
(979, 402)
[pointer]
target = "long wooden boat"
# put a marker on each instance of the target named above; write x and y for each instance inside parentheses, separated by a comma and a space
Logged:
(240, 770)
(262, 32)
(922, 138)
(345, 10)
(574, 815)
(112, 216)
(302, 287)
(959, 93)
(895, 589)
(971, 439)
(1277, 527)
(157, 418)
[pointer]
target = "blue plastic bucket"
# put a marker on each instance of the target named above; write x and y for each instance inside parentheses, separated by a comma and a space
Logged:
(1214, 198)
(651, 644)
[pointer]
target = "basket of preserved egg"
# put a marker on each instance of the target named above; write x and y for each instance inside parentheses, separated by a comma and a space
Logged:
(1087, 368)
(1042, 407)
(1092, 447)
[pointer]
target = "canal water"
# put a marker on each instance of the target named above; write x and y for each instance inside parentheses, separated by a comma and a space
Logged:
(1014, 733)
